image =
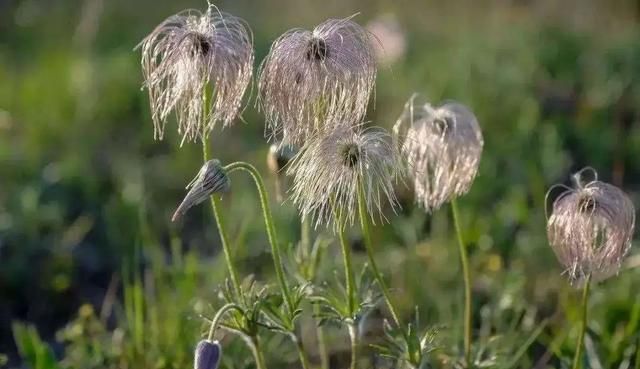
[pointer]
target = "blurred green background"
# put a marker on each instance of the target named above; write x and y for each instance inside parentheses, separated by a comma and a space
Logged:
(86, 194)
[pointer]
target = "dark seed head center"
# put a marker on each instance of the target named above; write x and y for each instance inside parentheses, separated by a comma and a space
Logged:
(201, 45)
(350, 155)
(317, 49)
(587, 204)
(442, 126)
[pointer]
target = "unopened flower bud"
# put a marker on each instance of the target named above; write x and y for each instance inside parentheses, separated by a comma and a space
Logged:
(208, 355)
(211, 179)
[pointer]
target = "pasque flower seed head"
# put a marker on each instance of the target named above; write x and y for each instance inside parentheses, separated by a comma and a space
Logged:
(192, 55)
(313, 81)
(327, 171)
(590, 229)
(442, 146)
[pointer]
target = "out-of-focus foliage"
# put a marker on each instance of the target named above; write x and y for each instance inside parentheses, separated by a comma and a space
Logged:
(86, 195)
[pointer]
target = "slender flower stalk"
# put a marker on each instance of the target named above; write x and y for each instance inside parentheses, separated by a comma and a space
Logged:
(224, 238)
(189, 55)
(577, 359)
(351, 295)
(466, 276)
(443, 146)
(275, 245)
(314, 81)
(366, 233)
(269, 224)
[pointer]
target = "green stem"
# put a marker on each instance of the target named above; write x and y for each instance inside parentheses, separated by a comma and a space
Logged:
(301, 354)
(353, 335)
(350, 282)
(577, 359)
(271, 229)
(257, 353)
(348, 272)
(466, 275)
(322, 342)
(216, 319)
(224, 238)
(364, 224)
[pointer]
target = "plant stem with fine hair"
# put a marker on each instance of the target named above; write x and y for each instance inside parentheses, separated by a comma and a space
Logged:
(466, 275)
(271, 229)
(366, 233)
(350, 285)
(273, 241)
(577, 359)
(224, 239)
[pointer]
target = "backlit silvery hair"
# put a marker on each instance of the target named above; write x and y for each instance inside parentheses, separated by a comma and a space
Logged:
(327, 171)
(192, 55)
(442, 146)
(590, 228)
(313, 81)
(212, 178)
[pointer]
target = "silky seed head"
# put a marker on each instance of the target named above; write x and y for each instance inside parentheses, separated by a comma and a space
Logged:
(590, 230)
(207, 355)
(314, 81)
(189, 55)
(212, 178)
(442, 146)
(327, 170)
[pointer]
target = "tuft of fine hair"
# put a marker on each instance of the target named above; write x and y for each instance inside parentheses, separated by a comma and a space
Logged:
(313, 81)
(327, 171)
(212, 178)
(442, 146)
(590, 229)
(197, 65)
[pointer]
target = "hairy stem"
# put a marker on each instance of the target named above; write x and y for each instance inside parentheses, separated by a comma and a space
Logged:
(224, 239)
(322, 341)
(466, 276)
(216, 319)
(273, 240)
(353, 335)
(301, 354)
(577, 359)
(364, 224)
(271, 229)
(350, 282)
(257, 353)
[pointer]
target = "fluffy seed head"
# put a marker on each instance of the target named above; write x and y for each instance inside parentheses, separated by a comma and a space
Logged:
(193, 54)
(327, 170)
(313, 81)
(590, 229)
(212, 178)
(207, 355)
(442, 146)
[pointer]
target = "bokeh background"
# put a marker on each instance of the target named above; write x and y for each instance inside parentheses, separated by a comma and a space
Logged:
(94, 274)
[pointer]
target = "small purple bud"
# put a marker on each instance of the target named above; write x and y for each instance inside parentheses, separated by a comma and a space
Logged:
(208, 355)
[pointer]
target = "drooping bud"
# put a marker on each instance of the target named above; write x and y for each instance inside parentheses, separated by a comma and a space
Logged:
(212, 178)
(207, 355)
